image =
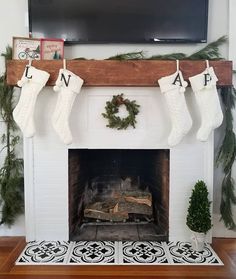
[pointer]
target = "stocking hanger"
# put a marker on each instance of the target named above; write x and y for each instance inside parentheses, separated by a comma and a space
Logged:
(30, 62)
(177, 65)
(64, 64)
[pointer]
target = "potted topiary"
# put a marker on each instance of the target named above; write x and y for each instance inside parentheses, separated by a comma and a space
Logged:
(199, 216)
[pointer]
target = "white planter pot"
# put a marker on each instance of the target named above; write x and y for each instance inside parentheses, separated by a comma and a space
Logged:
(198, 241)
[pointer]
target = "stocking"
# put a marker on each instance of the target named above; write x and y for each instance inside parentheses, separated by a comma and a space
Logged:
(68, 85)
(204, 87)
(31, 83)
(173, 87)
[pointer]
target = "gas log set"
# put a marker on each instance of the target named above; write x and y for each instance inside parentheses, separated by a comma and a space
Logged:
(118, 194)
(125, 204)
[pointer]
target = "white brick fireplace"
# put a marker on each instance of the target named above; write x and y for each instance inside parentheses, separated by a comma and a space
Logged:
(46, 158)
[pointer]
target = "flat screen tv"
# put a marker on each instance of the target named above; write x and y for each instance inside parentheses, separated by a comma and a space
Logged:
(120, 21)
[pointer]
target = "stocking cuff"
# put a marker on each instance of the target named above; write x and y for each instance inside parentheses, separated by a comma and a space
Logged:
(71, 82)
(31, 74)
(167, 83)
(198, 82)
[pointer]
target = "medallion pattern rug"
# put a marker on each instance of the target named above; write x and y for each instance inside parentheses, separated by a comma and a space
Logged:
(115, 252)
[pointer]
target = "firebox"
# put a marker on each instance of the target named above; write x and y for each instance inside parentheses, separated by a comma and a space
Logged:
(118, 194)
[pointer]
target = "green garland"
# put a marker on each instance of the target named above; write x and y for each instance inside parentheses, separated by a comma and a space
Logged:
(112, 107)
(209, 52)
(11, 173)
(226, 157)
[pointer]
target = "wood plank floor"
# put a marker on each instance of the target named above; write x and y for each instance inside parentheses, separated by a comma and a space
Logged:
(11, 247)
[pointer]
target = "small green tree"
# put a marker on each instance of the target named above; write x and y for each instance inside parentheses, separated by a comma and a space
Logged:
(199, 217)
(55, 56)
(37, 49)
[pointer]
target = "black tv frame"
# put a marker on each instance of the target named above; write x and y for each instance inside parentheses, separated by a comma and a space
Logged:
(151, 41)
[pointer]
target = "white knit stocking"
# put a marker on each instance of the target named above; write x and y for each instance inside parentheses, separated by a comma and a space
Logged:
(32, 82)
(204, 87)
(173, 87)
(68, 85)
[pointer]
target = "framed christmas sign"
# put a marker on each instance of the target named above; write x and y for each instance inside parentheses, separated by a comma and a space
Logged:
(52, 49)
(26, 48)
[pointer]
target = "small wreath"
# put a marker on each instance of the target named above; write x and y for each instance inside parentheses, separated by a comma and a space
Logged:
(112, 107)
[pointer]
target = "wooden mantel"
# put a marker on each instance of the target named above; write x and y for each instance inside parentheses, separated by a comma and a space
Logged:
(121, 73)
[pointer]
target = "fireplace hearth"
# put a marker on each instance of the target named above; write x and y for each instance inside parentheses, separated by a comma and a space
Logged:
(118, 194)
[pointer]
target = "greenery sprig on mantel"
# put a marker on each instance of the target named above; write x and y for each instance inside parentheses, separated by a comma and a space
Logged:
(11, 173)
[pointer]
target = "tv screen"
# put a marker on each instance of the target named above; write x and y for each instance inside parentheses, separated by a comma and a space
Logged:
(120, 21)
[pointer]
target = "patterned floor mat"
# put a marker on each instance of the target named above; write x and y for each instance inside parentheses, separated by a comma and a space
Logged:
(115, 252)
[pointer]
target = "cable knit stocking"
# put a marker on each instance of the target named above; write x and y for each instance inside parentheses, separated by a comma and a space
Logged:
(32, 82)
(68, 85)
(173, 87)
(204, 87)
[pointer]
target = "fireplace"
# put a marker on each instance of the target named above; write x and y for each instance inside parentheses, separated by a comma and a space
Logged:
(52, 208)
(118, 194)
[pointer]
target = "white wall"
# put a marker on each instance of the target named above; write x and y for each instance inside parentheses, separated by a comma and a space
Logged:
(12, 23)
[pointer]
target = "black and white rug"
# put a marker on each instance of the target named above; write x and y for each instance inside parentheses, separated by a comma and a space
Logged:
(115, 252)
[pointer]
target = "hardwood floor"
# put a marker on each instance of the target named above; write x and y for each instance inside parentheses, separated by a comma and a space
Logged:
(11, 247)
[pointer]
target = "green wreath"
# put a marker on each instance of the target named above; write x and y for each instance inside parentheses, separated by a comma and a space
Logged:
(112, 107)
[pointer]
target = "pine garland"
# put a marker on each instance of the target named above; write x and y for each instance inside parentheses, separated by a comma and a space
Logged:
(172, 56)
(226, 158)
(139, 55)
(209, 52)
(11, 173)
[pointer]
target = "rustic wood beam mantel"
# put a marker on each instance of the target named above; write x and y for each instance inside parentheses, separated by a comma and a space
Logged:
(121, 73)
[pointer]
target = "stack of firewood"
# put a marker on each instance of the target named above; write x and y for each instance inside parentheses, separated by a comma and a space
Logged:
(118, 207)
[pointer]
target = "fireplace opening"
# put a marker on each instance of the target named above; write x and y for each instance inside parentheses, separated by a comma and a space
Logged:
(118, 194)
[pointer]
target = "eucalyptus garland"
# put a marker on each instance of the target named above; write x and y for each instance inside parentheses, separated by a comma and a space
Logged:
(112, 108)
(226, 157)
(11, 173)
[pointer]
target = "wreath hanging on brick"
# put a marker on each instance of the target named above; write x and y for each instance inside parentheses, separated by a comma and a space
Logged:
(112, 108)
